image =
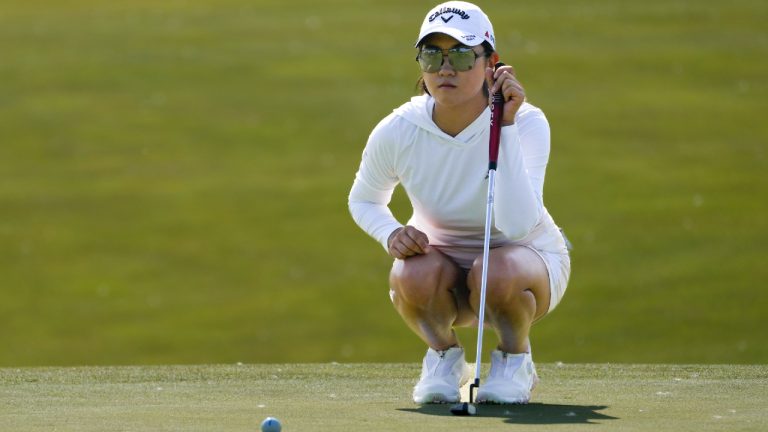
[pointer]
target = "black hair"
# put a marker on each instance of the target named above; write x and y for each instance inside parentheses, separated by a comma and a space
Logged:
(421, 88)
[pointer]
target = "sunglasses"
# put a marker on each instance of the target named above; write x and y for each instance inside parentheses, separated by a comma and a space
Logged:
(461, 58)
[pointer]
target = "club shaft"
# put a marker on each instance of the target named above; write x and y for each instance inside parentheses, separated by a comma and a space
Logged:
(484, 277)
(497, 107)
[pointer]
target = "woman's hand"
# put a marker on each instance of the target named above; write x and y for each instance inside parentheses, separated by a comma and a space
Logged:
(514, 94)
(407, 241)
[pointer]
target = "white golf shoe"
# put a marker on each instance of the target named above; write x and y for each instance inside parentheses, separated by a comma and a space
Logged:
(442, 375)
(511, 380)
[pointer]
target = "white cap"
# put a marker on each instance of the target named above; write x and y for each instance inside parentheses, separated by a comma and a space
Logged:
(462, 21)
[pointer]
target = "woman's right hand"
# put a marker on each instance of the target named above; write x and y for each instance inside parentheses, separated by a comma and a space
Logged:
(407, 241)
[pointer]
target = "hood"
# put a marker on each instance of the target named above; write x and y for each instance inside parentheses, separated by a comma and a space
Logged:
(418, 111)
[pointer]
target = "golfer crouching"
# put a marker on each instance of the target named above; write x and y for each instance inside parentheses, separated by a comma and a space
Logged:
(436, 147)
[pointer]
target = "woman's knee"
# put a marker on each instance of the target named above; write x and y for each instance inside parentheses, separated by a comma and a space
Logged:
(418, 279)
(507, 285)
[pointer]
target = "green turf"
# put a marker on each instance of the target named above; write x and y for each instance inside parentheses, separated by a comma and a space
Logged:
(376, 397)
(173, 177)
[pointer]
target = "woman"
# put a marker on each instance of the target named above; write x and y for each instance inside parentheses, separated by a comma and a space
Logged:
(436, 146)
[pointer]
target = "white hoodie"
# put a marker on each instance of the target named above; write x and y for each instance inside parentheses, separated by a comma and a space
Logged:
(446, 180)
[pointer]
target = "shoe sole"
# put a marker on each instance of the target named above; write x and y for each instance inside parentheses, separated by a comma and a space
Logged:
(437, 398)
(493, 402)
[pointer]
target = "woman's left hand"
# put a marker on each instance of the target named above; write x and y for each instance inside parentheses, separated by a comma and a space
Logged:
(514, 94)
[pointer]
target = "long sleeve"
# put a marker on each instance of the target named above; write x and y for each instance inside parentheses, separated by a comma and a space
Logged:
(373, 186)
(518, 204)
(535, 143)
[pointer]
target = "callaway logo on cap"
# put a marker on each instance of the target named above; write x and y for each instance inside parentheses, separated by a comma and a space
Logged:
(460, 20)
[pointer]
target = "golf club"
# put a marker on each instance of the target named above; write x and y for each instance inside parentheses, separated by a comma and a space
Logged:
(468, 408)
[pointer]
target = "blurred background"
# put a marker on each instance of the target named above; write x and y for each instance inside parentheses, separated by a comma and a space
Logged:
(174, 175)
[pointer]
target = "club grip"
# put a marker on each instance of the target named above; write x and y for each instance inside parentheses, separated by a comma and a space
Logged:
(497, 112)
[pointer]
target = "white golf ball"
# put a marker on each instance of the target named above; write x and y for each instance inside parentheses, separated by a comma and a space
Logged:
(271, 424)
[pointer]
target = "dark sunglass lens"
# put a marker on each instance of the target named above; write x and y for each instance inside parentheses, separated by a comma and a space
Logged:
(462, 59)
(430, 60)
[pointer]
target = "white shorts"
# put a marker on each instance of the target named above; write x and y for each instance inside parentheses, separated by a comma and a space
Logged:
(558, 266)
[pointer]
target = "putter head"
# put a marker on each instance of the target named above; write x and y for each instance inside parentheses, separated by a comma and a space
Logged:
(463, 409)
(467, 408)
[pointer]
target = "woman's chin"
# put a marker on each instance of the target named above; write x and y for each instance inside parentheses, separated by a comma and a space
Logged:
(451, 98)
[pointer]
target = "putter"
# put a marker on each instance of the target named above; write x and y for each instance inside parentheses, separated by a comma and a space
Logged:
(468, 408)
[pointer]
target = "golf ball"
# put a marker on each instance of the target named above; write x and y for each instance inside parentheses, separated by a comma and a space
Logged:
(271, 424)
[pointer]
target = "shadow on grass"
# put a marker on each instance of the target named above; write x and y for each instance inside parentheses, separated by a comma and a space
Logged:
(534, 413)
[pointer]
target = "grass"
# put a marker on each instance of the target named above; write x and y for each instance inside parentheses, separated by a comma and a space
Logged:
(376, 397)
(173, 178)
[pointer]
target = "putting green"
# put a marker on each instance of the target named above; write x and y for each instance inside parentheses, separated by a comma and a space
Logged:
(376, 397)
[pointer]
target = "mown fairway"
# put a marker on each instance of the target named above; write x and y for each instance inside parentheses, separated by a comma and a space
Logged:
(173, 182)
(376, 397)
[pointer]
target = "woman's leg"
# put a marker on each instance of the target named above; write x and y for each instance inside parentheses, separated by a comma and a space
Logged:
(517, 294)
(422, 289)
